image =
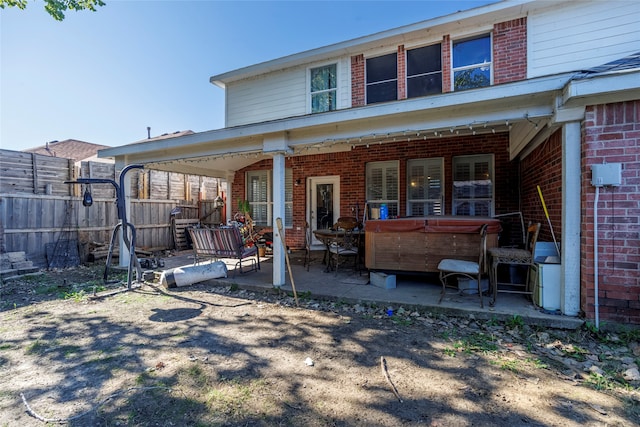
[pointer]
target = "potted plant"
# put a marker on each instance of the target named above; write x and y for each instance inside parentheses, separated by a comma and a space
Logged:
(243, 211)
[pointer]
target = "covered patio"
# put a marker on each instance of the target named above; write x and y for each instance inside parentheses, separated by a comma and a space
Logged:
(418, 292)
(514, 117)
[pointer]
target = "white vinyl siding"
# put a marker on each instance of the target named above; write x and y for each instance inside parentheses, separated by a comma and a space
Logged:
(279, 95)
(270, 97)
(581, 35)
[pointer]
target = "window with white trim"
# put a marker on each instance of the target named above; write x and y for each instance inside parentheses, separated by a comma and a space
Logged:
(473, 185)
(324, 88)
(424, 187)
(424, 71)
(382, 78)
(472, 62)
(382, 184)
(259, 193)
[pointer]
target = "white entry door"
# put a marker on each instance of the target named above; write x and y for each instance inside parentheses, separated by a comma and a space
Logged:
(323, 203)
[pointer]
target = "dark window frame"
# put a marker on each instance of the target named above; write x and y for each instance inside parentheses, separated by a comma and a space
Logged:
(424, 70)
(381, 78)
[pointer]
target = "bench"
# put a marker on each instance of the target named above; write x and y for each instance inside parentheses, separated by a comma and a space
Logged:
(223, 242)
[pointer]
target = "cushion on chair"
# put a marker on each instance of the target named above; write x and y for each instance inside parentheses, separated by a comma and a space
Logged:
(514, 254)
(458, 266)
(343, 251)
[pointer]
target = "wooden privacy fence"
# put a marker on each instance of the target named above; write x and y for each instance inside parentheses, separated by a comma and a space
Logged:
(29, 173)
(38, 210)
(33, 222)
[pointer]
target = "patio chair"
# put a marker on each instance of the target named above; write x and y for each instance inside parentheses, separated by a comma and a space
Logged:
(515, 257)
(346, 243)
(345, 223)
(224, 242)
(470, 269)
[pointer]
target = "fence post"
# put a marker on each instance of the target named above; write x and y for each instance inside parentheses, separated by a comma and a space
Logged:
(34, 166)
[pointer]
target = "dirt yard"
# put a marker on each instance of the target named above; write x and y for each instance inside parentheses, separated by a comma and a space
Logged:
(222, 356)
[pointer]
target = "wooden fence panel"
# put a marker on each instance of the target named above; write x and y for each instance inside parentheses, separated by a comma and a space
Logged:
(38, 174)
(38, 208)
(33, 173)
(30, 222)
(100, 170)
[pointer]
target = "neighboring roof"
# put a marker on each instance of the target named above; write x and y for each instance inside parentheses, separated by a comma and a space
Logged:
(628, 63)
(166, 136)
(68, 149)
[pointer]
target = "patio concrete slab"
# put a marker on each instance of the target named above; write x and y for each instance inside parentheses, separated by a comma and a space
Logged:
(412, 292)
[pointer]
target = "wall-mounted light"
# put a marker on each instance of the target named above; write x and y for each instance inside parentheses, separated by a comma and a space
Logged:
(298, 182)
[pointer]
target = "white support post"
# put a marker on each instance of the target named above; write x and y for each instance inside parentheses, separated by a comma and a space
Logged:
(570, 247)
(230, 202)
(279, 270)
(125, 254)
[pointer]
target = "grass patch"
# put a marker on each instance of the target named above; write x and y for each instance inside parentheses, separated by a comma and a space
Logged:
(38, 347)
(515, 322)
(194, 376)
(402, 321)
(477, 342)
(575, 352)
(304, 296)
(235, 398)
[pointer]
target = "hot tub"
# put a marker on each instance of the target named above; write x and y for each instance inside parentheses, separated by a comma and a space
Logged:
(418, 244)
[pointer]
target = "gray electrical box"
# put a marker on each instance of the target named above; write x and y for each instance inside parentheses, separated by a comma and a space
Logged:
(606, 174)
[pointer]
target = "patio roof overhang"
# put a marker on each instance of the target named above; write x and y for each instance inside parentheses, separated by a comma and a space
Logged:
(525, 109)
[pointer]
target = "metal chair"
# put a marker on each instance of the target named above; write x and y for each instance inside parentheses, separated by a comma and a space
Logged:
(346, 244)
(514, 256)
(346, 223)
(470, 269)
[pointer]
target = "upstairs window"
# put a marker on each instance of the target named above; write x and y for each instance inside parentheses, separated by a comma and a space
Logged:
(473, 185)
(382, 78)
(424, 71)
(324, 88)
(472, 63)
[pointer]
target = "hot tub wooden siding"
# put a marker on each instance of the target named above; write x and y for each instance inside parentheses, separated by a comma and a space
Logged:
(419, 244)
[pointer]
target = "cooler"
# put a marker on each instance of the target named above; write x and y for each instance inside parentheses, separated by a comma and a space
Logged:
(545, 276)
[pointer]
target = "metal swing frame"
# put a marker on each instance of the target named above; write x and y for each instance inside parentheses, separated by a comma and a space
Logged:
(123, 224)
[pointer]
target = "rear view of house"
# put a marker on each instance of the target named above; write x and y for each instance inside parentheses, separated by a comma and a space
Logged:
(477, 113)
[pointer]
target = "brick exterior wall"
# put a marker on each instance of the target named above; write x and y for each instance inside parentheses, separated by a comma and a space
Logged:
(510, 51)
(611, 134)
(543, 167)
(357, 81)
(402, 76)
(446, 64)
(350, 166)
(509, 61)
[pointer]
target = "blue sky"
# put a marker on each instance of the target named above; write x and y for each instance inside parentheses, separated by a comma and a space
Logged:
(104, 76)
